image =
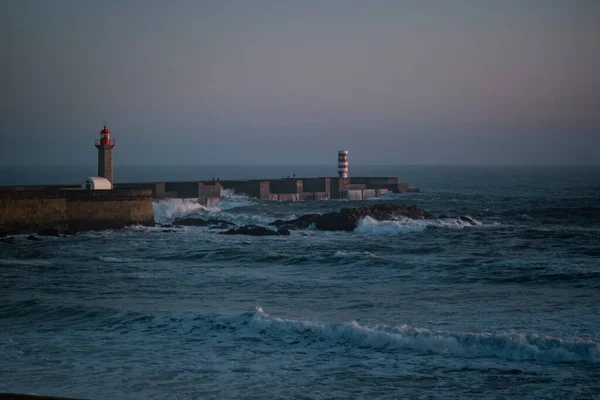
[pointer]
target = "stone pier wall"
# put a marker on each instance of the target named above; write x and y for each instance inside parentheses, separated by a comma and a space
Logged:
(74, 210)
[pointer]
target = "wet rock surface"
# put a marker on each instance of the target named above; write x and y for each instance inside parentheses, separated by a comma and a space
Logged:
(302, 222)
(254, 230)
(202, 222)
(347, 218)
(49, 232)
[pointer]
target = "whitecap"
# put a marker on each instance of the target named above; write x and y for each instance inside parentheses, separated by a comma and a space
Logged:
(402, 226)
(120, 260)
(352, 254)
(505, 345)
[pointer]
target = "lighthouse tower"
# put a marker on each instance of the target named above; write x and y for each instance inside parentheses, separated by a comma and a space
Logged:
(105, 145)
(343, 163)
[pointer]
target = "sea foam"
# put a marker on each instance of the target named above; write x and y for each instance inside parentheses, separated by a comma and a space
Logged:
(508, 346)
(402, 226)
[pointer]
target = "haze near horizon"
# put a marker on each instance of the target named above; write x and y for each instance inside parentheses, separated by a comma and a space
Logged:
(269, 82)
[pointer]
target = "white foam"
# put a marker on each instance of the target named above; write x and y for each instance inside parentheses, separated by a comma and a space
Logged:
(509, 346)
(120, 260)
(352, 254)
(166, 211)
(231, 201)
(26, 262)
(402, 226)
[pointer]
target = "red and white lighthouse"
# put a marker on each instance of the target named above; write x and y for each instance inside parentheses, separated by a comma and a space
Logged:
(105, 145)
(343, 163)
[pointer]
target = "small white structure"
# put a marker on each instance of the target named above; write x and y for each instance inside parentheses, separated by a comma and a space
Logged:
(97, 183)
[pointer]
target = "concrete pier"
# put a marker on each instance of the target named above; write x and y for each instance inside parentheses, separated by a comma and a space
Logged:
(287, 189)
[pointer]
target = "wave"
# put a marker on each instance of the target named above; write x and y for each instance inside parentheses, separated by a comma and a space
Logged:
(120, 260)
(509, 346)
(25, 262)
(165, 211)
(230, 200)
(352, 254)
(371, 226)
(588, 213)
(261, 327)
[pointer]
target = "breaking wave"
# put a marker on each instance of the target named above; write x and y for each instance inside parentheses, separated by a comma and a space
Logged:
(261, 328)
(509, 346)
(25, 262)
(165, 211)
(371, 226)
(352, 254)
(120, 260)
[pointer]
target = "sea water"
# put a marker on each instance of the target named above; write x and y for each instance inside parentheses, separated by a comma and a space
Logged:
(508, 308)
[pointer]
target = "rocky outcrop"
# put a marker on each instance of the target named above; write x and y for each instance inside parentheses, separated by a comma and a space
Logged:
(468, 220)
(254, 230)
(49, 232)
(218, 223)
(284, 232)
(347, 218)
(299, 223)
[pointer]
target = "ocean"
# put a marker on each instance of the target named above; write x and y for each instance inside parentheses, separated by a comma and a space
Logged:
(509, 308)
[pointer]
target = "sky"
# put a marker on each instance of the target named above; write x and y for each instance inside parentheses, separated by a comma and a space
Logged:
(291, 82)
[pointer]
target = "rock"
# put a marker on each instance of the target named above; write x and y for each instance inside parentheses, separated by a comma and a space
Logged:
(347, 218)
(9, 240)
(222, 226)
(69, 233)
(468, 220)
(49, 232)
(252, 230)
(3, 234)
(299, 223)
(33, 238)
(284, 232)
(201, 222)
(168, 230)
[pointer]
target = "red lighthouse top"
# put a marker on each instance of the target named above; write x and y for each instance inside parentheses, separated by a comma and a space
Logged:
(105, 140)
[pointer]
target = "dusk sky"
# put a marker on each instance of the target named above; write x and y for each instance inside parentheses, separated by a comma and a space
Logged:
(266, 82)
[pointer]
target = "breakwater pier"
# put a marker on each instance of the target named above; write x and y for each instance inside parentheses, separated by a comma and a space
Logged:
(101, 203)
(286, 189)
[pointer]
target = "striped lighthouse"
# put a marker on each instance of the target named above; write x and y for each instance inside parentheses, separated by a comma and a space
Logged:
(343, 163)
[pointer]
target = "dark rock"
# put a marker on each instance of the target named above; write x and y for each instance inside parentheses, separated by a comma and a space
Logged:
(3, 234)
(49, 232)
(168, 230)
(69, 233)
(222, 226)
(252, 230)
(201, 222)
(9, 240)
(347, 218)
(33, 238)
(468, 220)
(284, 232)
(302, 222)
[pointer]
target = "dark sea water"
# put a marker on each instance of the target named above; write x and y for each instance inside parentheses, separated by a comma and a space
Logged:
(509, 308)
